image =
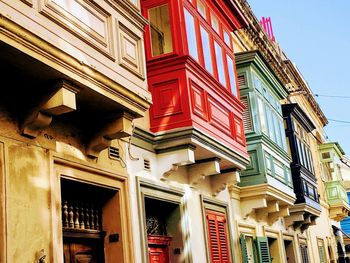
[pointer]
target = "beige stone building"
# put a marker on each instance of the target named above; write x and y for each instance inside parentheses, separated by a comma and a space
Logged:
(91, 172)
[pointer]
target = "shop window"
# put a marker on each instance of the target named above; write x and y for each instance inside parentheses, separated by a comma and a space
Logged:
(161, 36)
(217, 236)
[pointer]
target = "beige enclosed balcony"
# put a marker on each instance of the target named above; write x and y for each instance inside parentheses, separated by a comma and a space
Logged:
(79, 62)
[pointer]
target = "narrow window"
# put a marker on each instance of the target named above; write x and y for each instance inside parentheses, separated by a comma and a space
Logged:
(201, 8)
(227, 38)
(214, 23)
(220, 63)
(206, 50)
(262, 115)
(161, 37)
(231, 73)
(191, 35)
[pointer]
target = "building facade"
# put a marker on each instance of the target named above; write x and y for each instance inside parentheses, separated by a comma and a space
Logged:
(160, 131)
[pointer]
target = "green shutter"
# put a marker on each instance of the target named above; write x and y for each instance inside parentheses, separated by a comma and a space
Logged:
(262, 245)
(244, 248)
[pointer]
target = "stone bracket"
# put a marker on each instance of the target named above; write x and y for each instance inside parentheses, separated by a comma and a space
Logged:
(63, 100)
(169, 161)
(283, 212)
(220, 181)
(118, 128)
(294, 218)
(200, 170)
(251, 205)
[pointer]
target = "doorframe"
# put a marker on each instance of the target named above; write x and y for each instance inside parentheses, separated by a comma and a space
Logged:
(166, 193)
(93, 174)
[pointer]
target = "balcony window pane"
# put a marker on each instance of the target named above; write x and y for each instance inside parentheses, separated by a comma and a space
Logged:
(161, 37)
(206, 50)
(220, 63)
(215, 23)
(227, 38)
(191, 35)
(231, 74)
(262, 115)
(201, 8)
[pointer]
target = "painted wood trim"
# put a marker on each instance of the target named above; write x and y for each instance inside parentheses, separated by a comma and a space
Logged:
(87, 173)
(164, 192)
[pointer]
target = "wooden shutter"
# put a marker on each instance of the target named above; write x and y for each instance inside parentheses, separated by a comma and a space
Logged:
(262, 245)
(247, 120)
(244, 248)
(304, 253)
(217, 237)
(241, 81)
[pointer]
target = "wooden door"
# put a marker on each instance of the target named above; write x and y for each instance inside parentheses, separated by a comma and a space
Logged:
(87, 251)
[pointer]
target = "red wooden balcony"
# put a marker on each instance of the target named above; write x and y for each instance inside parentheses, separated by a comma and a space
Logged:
(191, 71)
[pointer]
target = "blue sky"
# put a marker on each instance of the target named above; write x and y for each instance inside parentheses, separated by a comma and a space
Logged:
(315, 34)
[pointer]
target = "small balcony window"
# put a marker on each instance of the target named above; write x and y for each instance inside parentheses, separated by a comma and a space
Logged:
(161, 36)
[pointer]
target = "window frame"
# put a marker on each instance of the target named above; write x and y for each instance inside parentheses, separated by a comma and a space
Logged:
(218, 207)
(145, 12)
(214, 36)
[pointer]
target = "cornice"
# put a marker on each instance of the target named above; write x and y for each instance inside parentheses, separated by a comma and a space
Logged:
(256, 58)
(299, 114)
(302, 85)
(261, 41)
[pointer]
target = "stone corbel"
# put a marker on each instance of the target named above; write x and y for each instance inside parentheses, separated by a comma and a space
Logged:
(294, 218)
(272, 207)
(248, 206)
(117, 128)
(171, 159)
(63, 100)
(198, 171)
(283, 212)
(220, 181)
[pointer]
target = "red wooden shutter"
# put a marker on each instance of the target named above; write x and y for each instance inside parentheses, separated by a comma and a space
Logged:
(217, 237)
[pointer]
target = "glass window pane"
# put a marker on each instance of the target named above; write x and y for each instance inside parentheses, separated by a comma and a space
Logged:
(206, 50)
(191, 35)
(220, 63)
(214, 23)
(161, 37)
(227, 38)
(262, 115)
(201, 8)
(231, 74)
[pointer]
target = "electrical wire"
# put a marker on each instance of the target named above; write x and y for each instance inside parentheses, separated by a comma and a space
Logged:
(332, 96)
(341, 121)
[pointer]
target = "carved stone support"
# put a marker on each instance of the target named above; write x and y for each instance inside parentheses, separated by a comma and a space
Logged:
(220, 181)
(249, 206)
(61, 101)
(200, 170)
(170, 160)
(118, 128)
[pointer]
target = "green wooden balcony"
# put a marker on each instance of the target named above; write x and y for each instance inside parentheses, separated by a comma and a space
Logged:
(337, 200)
